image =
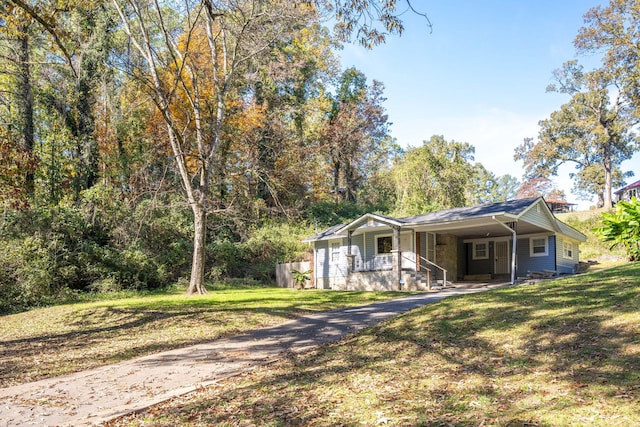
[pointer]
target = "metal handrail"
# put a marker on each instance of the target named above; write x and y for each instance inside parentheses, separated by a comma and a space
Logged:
(444, 271)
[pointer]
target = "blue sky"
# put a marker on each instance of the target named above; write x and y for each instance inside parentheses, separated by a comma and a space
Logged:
(480, 76)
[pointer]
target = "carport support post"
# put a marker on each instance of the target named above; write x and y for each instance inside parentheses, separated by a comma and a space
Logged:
(514, 257)
(397, 257)
(512, 229)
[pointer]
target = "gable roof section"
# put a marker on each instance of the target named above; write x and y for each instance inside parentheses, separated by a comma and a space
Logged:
(375, 218)
(328, 234)
(623, 189)
(571, 232)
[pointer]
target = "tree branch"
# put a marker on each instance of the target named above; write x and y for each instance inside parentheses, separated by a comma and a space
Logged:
(50, 29)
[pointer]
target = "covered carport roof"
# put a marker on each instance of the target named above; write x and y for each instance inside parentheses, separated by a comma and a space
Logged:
(486, 220)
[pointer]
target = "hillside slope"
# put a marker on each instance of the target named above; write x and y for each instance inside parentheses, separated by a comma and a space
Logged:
(594, 248)
(563, 353)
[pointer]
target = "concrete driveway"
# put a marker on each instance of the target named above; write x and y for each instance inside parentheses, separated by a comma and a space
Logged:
(97, 395)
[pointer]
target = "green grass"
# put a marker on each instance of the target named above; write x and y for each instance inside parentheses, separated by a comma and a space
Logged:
(558, 353)
(67, 338)
(594, 248)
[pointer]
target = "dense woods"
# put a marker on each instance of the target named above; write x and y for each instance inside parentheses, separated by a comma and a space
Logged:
(147, 143)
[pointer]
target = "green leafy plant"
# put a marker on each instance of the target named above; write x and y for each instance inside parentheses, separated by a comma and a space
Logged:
(622, 227)
(301, 277)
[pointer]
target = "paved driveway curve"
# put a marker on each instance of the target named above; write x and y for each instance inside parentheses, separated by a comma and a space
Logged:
(97, 395)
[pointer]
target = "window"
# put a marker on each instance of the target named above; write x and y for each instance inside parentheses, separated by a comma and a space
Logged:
(539, 246)
(480, 250)
(567, 250)
(384, 245)
(335, 252)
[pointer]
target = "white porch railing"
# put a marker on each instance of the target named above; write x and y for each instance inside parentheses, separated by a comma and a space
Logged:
(380, 262)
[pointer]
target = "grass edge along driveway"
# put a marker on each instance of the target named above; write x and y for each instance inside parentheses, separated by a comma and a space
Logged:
(559, 353)
(58, 340)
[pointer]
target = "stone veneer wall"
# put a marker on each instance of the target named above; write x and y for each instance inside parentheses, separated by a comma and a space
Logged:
(384, 280)
(447, 255)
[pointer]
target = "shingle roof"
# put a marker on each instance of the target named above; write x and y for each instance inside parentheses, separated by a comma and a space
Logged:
(515, 207)
(512, 207)
(634, 184)
(325, 234)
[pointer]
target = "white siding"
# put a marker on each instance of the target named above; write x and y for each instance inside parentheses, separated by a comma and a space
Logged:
(357, 249)
(566, 265)
(338, 263)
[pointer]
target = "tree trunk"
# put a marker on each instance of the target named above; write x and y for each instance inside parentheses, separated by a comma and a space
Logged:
(26, 100)
(607, 178)
(196, 283)
(85, 126)
(336, 181)
(351, 181)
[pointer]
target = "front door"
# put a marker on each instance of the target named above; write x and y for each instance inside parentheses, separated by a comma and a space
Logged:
(501, 255)
(408, 254)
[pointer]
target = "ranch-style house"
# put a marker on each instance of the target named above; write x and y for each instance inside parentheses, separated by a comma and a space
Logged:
(496, 241)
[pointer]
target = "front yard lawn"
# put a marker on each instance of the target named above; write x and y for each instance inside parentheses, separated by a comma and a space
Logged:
(558, 353)
(68, 338)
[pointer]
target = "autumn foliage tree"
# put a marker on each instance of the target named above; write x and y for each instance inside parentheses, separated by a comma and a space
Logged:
(356, 129)
(539, 187)
(17, 135)
(15, 160)
(161, 127)
(192, 67)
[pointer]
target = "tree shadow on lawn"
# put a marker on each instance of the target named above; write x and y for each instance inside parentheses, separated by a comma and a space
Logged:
(529, 355)
(330, 387)
(91, 337)
(110, 334)
(579, 330)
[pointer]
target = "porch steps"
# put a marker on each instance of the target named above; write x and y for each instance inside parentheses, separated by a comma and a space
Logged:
(420, 279)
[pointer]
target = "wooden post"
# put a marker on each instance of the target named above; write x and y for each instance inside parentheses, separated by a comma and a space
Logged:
(350, 256)
(397, 256)
(418, 261)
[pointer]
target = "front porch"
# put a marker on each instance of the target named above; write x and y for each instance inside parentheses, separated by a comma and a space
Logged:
(377, 261)
(479, 244)
(384, 280)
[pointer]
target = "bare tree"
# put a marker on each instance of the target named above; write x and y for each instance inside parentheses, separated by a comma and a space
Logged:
(192, 56)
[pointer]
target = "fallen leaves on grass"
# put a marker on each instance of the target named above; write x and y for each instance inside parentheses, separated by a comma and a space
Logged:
(438, 366)
(63, 339)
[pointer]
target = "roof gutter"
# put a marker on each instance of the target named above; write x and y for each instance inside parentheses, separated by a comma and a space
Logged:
(513, 249)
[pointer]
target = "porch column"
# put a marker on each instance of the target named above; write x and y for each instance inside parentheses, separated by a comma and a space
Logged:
(418, 260)
(397, 257)
(514, 253)
(350, 255)
(512, 228)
